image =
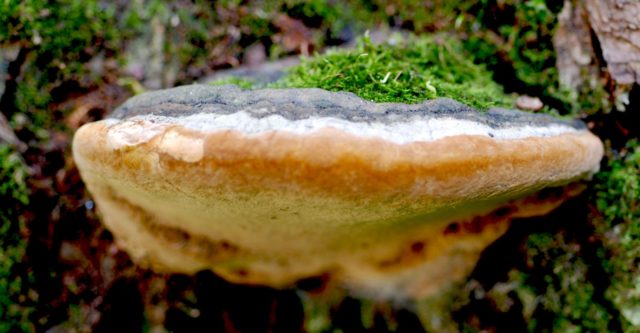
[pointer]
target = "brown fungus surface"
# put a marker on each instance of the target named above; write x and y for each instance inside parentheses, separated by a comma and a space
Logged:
(272, 186)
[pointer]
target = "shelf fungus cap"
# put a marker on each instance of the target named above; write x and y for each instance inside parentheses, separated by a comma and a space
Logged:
(270, 186)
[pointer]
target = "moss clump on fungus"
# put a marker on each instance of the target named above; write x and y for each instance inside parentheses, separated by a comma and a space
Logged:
(513, 38)
(408, 71)
(14, 277)
(618, 201)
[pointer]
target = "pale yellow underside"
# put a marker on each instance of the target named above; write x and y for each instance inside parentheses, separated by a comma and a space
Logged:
(275, 208)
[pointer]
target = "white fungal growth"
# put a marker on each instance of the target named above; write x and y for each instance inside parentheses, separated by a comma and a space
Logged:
(418, 129)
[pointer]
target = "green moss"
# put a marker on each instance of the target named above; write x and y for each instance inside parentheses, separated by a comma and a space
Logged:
(522, 39)
(188, 37)
(58, 39)
(414, 15)
(240, 82)
(618, 201)
(549, 289)
(409, 71)
(14, 277)
(513, 38)
(519, 34)
(566, 295)
(528, 38)
(559, 283)
(618, 196)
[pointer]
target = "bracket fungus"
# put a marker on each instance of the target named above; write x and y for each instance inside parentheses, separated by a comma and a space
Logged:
(270, 186)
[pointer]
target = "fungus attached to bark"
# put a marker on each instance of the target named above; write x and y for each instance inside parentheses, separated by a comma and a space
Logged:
(273, 185)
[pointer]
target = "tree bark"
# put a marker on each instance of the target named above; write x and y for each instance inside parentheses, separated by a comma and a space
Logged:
(574, 47)
(616, 23)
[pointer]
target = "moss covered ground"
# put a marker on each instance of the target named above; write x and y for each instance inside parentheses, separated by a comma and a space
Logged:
(16, 300)
(66, 62)
(617, 199)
